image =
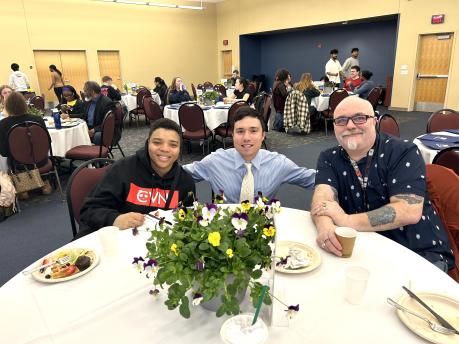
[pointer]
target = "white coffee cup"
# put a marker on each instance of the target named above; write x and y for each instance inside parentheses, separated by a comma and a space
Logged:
(239, 330)
(109, 239)
(356, 284)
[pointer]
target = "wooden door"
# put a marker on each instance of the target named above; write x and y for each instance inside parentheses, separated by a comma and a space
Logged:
(434, 56)
(227, 63)
(109, 64)
(74, 68)
(43, 59)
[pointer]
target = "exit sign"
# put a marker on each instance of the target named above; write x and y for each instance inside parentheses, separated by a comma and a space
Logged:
(438, 19)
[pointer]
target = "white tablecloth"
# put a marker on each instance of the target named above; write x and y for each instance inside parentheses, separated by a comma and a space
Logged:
(213, 117)
(3, 163)
(131, 101)
(111, 303)
(66, 138)
(321, 102)
(429, 153)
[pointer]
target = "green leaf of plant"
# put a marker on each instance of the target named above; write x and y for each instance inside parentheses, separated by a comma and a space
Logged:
(184, 308)
(256, 274)
(204, 246)
(221, 310)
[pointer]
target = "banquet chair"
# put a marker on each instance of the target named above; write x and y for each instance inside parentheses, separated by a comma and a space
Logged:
(29, 144)
(207, 85)
(152, 109)
(443, 119)
(225, 130)
(388, 124)
(335, 98)
(448, 157)
(28, 96)
(191, 118)
(220, 89)
(195, 94)
(443, 189)
(373, 97)
(139, 110)
(81, 183)
(38, 102)
(88, 152)
(119, 126)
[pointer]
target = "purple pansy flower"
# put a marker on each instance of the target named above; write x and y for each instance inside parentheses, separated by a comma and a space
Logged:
(138, 263)
(200, 265)
(239, 221)
(197, 298)
(292, 310)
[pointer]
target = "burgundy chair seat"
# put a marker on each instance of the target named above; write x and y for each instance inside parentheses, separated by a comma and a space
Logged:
(86, 152)
(196, 135)
(47, 167)
(221, 131)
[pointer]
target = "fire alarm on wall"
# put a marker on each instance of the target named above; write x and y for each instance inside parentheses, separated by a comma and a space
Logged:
(225, 42)
(438, 19)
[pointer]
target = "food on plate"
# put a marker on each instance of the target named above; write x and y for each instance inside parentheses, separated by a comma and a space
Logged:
(83, 262)
(79, 260)
(296, 259)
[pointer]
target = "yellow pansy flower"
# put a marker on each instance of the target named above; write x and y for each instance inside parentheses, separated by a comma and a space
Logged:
(214, 238)
(229, 252)
(245, 206)
(174, 249)
(269, 231)
(181, 214)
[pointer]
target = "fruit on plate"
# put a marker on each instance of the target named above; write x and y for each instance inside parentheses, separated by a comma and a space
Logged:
(80, 260)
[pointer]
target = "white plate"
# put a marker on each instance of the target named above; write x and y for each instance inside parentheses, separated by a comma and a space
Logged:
(74, 251)
(282, 250)
(447, 307)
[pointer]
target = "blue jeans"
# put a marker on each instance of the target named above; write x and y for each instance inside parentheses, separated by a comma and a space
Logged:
(278, 121)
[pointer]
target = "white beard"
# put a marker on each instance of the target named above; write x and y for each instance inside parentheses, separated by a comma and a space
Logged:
(351, 144)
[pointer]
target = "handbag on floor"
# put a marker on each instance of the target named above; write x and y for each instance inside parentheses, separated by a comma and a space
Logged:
(27, 180)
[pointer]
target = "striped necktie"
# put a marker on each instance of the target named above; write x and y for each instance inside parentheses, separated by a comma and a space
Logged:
(248, 185)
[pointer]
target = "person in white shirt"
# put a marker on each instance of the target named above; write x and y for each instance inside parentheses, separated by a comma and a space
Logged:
(18, 80)
(333, 68)
(350, 62)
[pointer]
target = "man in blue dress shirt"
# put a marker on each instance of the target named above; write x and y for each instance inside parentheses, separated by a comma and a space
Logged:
(373, 182)
(248, 165)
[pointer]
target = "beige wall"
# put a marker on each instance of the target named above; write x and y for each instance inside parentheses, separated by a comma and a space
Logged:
(237, 17)
(152, 41)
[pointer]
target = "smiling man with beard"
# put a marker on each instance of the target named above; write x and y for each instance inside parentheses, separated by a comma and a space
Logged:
(243, 171)
(375, 183)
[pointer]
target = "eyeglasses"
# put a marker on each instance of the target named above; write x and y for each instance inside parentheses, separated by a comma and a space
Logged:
(357, 119)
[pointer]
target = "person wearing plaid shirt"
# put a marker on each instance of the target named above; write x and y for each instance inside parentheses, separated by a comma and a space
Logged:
(296, 113)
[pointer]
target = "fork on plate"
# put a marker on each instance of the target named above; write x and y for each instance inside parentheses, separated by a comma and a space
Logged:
(61, 261)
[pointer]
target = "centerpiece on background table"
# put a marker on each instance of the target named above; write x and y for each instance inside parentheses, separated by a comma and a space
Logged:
(210, 97)
(212, 252)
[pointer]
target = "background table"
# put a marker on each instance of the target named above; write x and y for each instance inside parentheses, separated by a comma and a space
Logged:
(321, 102)
(429, 153)
(213, 117)
(66, 138)
(3, 163)
(111, 303)
(131, 101)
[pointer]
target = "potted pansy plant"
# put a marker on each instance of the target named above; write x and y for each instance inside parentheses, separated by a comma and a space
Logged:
(212, 253)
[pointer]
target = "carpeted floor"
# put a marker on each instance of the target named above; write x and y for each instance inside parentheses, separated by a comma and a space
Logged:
(43, 224)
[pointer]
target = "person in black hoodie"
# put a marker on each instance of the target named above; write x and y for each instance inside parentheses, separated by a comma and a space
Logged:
(136, 185)
(177, 92)
(161, 89)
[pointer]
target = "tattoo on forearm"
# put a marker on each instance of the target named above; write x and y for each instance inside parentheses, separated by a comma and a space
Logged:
(410, 199)
(335, 194)
(381, 216)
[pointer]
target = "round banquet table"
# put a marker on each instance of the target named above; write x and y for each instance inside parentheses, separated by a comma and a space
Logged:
(65, 139)
(213, 116)
(429, 153)
(111, 302)
(131, 101)
(321, 102)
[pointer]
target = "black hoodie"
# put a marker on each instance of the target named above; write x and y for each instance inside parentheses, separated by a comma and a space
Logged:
(131, 184)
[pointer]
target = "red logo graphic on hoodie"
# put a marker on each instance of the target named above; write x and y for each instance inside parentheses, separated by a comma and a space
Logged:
(149, 197)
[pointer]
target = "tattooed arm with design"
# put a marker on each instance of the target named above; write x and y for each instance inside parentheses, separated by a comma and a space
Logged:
(402, 210)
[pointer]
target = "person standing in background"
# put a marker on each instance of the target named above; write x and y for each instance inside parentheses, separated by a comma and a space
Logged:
(57, 82)
(333, 68)
(18, 80)
(351, 61)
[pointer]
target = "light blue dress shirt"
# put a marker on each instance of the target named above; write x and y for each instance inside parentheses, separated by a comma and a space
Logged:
(224, 170)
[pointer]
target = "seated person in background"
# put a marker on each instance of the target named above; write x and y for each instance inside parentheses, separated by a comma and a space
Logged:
(324, 78)
(5, 91)
(161, 89)
(96, 107)
(108, 90)
(373, 182)
(16, 107)
(177, 92)
(72, 106)
(281, 87)
(242, 92)
(243, 171)
(354, 79)
(306, 86)
(233, 78)
(149, 180)
(364, 89)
